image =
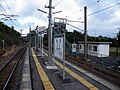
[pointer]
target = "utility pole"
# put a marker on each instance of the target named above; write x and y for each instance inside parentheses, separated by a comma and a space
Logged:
(50, 34)
(49, 30)
(85, 33)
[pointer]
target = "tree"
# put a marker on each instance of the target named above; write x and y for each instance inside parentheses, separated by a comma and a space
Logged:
(118, 42)
(9, 35)
(118, 39)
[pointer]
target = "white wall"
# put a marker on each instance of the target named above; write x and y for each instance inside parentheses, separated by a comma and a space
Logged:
(102, 50)
(92, 52)
(82, 48)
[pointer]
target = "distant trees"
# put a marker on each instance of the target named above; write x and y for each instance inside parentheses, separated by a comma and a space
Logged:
(117, 42)
(74, 36)
(118, 39)
(78, 36)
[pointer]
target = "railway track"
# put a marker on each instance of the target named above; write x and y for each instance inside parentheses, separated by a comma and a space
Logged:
(110, 75)
(8, 69)
(99, 70)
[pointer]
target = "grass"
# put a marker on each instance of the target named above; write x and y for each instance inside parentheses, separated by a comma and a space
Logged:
(113, 51)
(8, 50)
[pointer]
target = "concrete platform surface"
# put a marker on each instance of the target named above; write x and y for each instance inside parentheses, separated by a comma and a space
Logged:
(26, 78)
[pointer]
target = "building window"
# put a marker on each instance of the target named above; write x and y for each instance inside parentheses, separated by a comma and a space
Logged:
(94, 48)
(59, 40)
(80, 46)
(74, 46)
(56, 41)
(90, 48)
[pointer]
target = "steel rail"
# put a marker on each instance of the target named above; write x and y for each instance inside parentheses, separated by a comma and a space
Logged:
(9, 60)
(21, 51)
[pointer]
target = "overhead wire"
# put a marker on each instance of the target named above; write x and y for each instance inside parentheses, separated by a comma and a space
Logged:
(87, 6)
(82, 9)
(58, 3)
(69, 14)
(104, 9)
(93, 3)
(3, 8)
(74, 26)
(45, 6)
(7, 14)
(73, 13)
(43, 10)
(12, 12)
(8, 7)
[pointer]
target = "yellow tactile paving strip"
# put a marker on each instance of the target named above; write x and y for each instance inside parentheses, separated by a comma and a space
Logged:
(45, 80)
(76, 76)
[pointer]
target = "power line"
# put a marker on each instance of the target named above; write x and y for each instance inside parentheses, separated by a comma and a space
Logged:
(103, 9)
(87, 6)
(74, 26)
(12, 12)
(82, 9)
(58, 3)
(3, 8)
(94, 3)
(42, 10)
(8, 7)
(73, 13)
(7, 14)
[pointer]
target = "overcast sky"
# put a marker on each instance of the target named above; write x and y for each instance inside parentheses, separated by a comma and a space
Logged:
(105, 23)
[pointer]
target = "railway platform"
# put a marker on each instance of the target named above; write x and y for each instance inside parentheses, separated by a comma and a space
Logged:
(26, 77)
(75, 77)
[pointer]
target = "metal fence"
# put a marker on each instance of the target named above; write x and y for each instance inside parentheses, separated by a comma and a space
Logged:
(112, 63)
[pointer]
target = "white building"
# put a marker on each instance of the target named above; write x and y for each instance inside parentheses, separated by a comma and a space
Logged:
(74, 47)
(41, 29)
(99, 49)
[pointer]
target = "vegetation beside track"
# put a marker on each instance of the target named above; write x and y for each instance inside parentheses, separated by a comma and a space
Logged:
(10, 36)
(114, 52)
